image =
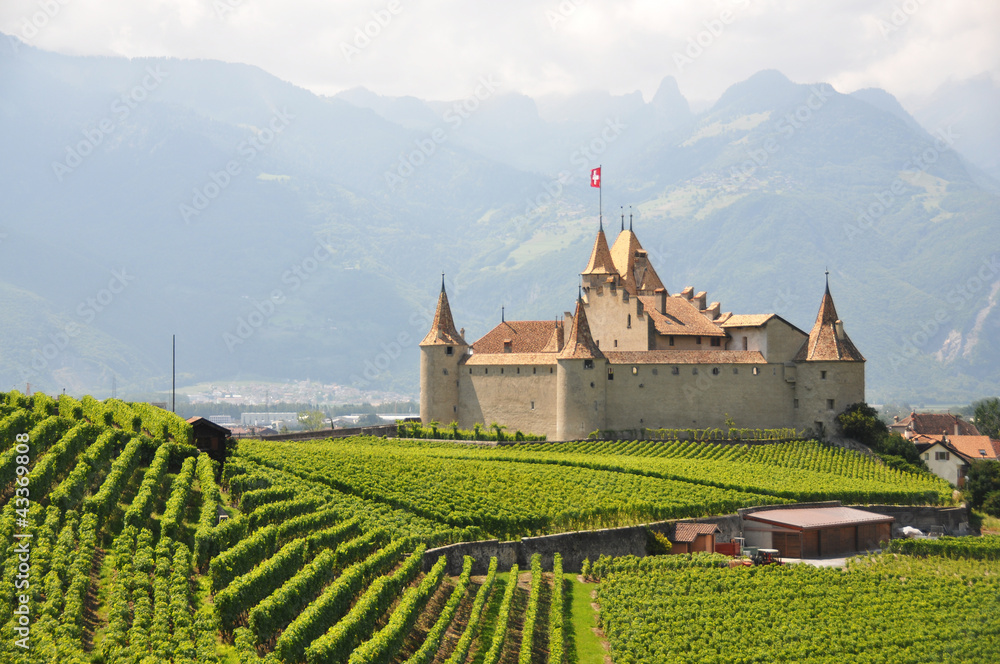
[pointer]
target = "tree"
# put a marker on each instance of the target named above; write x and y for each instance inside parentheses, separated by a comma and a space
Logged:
(982, 480)
(312, 420)
(861, 422)
(370, 419)
(987, 417)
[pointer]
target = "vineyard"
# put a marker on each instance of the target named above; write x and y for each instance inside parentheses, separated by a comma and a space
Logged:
(122, 543)
(883, 608)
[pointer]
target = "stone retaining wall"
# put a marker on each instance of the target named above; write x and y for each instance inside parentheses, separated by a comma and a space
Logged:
(632, 540)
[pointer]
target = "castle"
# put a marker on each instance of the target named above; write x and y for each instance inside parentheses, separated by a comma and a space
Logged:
(634, 356)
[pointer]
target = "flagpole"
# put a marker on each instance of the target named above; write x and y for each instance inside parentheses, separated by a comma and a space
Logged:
(600, 199)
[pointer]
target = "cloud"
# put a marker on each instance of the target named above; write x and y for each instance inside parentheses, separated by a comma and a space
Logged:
(439, 48)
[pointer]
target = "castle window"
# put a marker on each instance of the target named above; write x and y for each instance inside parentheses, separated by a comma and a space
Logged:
(736, 370)
(592, 384)
(694, 372)
(635, 371)
(697, 340)
(450, 350)
(553, 369)
(744, 343)
(625, 299)
(715, 371)
(454, 409)
(445, 372)
(470, 371)
(795, 403)
(822, 375)
(829, 404)
(534, 370)
(507, 346)
(587, 364)
(671, 341)
(486, 370)
(629, 325)
(598, 342)
(675, 371)
(501, 369)
(532, 405)
(756, 370)
(611, 373)
(519, 370)
(656, 372)
(616, 343)
(716, 341)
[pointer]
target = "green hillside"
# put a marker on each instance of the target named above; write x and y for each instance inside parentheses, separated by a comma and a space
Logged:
(320, 556)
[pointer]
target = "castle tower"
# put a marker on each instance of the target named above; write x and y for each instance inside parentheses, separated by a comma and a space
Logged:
(600, 267)
(830, 371)
(632, 263)
(581, 381)
(441, 351)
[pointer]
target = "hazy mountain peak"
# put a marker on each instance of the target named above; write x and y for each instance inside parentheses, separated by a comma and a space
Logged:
(764, 90)
(884, 101)
(669, 102)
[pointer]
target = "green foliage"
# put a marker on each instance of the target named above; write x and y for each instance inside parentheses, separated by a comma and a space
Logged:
(982, 480)
(341, 639)
(414, 430)
(991, 503)
(987, 417)
(556, 612)
(876, 610)
(861, 422)
(429, 648)
(312, 420)
(974, 548)
(503, 618)
(657, 543)
(531, 614)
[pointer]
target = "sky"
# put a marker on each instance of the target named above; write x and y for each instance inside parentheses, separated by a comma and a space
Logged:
(440, 49)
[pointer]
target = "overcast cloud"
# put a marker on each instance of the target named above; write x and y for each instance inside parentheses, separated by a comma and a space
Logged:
(437, 49)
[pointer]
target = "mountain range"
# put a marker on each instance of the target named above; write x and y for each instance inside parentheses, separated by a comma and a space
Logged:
(284, 235)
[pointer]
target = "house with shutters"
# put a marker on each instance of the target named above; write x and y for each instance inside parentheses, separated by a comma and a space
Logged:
(633, 355)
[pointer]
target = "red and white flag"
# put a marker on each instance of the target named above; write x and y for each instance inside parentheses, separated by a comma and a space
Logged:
(595, 177)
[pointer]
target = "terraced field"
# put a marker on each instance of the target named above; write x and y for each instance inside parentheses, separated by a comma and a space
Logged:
(114, 549)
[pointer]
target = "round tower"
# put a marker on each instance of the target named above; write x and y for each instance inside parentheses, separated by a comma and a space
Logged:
(581, 383)
(441, 352)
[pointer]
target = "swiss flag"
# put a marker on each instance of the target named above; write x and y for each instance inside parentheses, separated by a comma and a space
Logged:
(595, 177)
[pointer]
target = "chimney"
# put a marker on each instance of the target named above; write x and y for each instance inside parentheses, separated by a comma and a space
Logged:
(567, 324)
(956, 427)
(461, 333)
(700, 300)
(895, 418)
(839, 327)
(713, 311)
(687, 293)
(661, 299)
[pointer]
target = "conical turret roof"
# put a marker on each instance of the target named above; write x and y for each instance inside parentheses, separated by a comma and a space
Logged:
(600, 257)
(580, 345)
(623, 256)
(827, 339)
(443, 332)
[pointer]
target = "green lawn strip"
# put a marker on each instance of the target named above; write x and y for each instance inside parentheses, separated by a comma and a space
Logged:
(582, 645)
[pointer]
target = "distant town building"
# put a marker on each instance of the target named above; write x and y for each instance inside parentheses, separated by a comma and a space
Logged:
(223, 420)
(634, 356)
(932, 424)
(273, 420)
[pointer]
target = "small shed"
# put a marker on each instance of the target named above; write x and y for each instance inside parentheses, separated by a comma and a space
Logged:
(210, 437)
(815, 532)
(692, 537)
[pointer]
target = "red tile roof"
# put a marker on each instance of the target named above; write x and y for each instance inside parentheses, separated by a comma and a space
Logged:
(973, 447)
(681, 318)
(600, 257)
(525, 336)
(811, 518)
(824, 344)
(747, 320)
(935, 424)
(443, 332)
(508, 359)
(580, 344)
(688, 532)
(623, 253)
(685, 357)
